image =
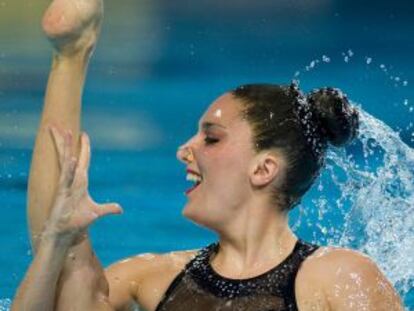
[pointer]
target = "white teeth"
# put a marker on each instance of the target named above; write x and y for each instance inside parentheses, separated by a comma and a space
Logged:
(193, 177)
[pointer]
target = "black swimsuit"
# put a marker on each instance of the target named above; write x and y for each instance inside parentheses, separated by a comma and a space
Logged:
(199, 288)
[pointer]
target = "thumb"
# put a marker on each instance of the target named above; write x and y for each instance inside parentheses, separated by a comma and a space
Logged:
(110, 208)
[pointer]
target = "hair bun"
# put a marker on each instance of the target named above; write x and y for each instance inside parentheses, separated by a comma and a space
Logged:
(339, 120)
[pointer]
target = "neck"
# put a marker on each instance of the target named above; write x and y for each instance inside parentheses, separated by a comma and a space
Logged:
(257, 239)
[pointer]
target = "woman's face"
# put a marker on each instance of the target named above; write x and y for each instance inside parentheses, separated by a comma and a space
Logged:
(220, 152)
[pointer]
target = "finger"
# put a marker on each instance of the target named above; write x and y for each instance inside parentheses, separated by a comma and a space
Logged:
(85, 152)
(67, 174)
(106, 209)
(69, 162)
(81, 174)
(58, 140)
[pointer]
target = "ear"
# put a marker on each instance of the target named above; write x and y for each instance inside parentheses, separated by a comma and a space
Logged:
(266, 168)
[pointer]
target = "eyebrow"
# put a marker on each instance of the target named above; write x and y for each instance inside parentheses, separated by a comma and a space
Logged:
(206, 125)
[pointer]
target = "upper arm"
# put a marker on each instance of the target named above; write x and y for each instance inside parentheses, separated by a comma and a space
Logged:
(359, 284)
(143, 279)
(123, 278)
(349, 281)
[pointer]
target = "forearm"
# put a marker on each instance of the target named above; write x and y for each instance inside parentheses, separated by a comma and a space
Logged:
(38, 289)
(82, 285)
(50, 285)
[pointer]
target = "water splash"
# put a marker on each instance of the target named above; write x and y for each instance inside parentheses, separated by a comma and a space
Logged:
(373, 206)
(386, 70)
(5, 304)
(385, 202)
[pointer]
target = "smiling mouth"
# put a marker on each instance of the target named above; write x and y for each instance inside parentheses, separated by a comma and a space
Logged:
(194, 177)
(192, 188)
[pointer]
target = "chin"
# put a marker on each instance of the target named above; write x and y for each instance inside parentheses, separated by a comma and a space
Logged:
(193, 214)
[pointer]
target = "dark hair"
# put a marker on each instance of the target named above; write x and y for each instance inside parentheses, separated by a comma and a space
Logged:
(300, 128)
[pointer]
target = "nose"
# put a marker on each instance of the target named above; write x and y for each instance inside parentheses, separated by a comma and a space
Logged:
(185, 154)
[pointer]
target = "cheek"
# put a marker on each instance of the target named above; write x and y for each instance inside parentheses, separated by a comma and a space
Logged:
(227, 173)
(226, 166)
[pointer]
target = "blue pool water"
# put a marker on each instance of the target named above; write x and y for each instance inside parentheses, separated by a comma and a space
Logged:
(156, 69)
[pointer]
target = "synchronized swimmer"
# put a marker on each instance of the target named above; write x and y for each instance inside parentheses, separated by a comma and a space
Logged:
(258, 150)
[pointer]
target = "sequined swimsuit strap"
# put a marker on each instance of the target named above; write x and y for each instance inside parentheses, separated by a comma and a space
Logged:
(180, 276)
(301, 252)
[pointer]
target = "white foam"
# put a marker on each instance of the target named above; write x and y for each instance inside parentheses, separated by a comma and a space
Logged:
(5, 304)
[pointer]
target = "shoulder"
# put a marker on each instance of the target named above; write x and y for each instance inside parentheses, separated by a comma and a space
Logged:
(328, 264)
(142, 264)
(344, 279)
(144, 276)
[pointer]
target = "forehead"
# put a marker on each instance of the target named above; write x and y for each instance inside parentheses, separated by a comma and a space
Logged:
(225, 111)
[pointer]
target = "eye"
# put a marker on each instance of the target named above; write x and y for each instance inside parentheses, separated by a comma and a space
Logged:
(210, 140)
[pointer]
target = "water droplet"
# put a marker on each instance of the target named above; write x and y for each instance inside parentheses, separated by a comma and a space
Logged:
(325, 59)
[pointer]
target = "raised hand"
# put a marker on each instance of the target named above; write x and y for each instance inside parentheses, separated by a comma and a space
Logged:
(73, 209)
(73, 25)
